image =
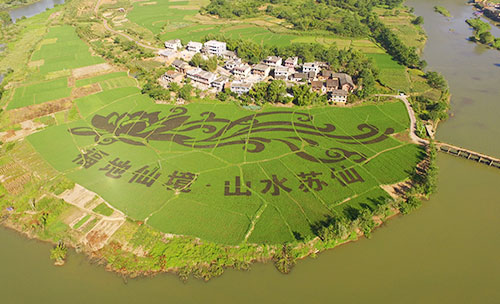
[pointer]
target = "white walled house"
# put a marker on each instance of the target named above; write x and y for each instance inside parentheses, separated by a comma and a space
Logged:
(291, 62)
(194, 46)
(240, 87)
(261, 69)
(201, 76)
(273, 61)
(219, 83)
(242, 70)
(282, 72)
(231, 64)
(310, 67)
(214, 47)
(174, 44)
(338, 96)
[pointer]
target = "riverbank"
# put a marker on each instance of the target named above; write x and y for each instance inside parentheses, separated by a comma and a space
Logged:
(210, 258)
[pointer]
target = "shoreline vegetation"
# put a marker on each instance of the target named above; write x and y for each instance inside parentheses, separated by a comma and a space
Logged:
(482, 33)
(442, 10)
(38, 208)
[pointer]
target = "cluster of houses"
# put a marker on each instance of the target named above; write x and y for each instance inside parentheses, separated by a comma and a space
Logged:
(239, 77)
(489, 9)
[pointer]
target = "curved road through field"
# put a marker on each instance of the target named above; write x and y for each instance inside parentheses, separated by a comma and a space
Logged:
(413, 120)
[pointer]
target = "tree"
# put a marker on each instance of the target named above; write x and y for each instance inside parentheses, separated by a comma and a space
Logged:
(419, 20)
(185, 92)
(436, 80)
(302, 95)
(197, 60)
(284, 260)
(276, 91)
(486, 38)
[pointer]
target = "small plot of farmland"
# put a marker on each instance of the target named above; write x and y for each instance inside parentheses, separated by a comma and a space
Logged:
(65, 52)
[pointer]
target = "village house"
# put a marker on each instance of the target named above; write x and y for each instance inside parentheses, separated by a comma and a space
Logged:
(493, 13)
(194, 46)
(231, 64)
(181, 66)
(214, 47)
(173, 76)
(273, 61)
(291, 62)
(325, 74)
(174, 44)
(298, 77)
(201, 76)
(345, 81)
(318, 86)
(261, 69)
(167, 53)
(219, 83)
(331, 85)
(229, 55)
(310, 67)
(240, 87)
(282, 72)
(242, 70)
(338, 96)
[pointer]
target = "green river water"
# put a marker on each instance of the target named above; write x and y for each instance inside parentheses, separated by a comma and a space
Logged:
(446, 252)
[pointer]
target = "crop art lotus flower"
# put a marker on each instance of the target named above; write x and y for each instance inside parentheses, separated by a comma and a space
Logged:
(253, 132)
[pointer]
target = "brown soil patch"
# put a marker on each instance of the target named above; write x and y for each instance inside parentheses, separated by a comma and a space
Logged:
(16, 185)
(39, 110)
(149, 3)
(71, 81)
(397, 190)
(403, 136)
(90, 70)
(86, 90)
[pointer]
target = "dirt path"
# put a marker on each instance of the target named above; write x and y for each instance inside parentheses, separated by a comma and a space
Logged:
(107, 27)
(413, 120)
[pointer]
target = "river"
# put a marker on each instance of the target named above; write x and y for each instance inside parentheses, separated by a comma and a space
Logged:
(33, 9)
(445, 252)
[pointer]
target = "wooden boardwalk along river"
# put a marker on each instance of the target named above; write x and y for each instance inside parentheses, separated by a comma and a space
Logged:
(444, 147)
(468, 154)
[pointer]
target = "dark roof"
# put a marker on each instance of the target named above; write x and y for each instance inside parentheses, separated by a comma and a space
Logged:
(326, 73)
(317, 84)
(178, 63)
(300, 75)
(332, 83)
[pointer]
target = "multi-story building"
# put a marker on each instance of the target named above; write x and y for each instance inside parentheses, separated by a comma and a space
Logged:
(291, 62)
(220, 82)
(173, 76)
(231, 64)
(310, 67)
(242, 70)
(240, 87)
(338, 96)
(214, 47)
(282, 72)
(261, 69)
(201, 76)
(174, 44)
(194, 46)
(181, 66)
(273, 61)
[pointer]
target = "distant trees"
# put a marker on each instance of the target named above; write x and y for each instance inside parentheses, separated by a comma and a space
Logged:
(436, 80)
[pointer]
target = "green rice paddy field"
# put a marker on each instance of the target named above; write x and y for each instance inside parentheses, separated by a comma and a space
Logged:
(217, 171)
(226, 174)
